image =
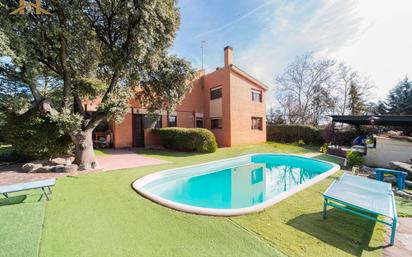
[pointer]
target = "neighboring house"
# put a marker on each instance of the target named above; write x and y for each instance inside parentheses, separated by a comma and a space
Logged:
(227, 101)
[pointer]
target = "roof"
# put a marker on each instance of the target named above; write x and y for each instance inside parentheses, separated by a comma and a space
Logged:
(383, 120)
(248, 77)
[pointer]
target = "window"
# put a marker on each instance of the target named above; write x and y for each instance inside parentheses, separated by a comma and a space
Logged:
(146, 122)
(199, 122)
(216, 123)
(256, 123)
(256, 95)
(257, 175)
(172, 121)
(215, 93)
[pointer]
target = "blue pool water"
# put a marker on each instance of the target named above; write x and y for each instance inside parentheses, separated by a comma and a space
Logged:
(237, 183)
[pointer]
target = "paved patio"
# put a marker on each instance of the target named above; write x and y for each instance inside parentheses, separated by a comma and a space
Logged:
(403, 239)
(113, 160)
(123, 159)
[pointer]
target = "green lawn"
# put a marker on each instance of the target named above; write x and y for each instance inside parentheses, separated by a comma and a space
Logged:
(99, 152)
(296, 227)
(101, 215)
(21, 225)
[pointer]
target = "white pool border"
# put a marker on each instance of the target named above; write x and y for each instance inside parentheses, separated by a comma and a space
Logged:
(141, 182)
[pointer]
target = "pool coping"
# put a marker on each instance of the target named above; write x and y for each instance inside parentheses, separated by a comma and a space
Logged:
(139, 183)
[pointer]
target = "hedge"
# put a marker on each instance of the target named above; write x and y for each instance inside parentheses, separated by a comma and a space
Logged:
(339, 137)
(294, 133)
(34, 136)
(188, 139)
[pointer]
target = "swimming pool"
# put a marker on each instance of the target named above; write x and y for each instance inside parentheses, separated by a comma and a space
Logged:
(234, 186)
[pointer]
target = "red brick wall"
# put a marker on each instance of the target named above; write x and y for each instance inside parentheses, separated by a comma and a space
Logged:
(122, 132)
(243, 108)
(219, 78)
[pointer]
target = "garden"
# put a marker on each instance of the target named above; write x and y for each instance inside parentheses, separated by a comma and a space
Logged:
(101, 215)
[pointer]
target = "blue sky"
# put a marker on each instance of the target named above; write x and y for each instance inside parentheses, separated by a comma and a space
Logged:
(372, 36)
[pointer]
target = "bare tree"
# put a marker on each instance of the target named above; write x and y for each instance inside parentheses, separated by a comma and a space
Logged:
(303, 89)
(310, 89)
(275, 116)
(349, 83)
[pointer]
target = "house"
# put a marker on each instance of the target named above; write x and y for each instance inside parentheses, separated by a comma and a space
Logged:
(227, 101)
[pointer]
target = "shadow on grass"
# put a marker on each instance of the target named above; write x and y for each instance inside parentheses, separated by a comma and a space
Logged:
(349, 233)
(12, 200)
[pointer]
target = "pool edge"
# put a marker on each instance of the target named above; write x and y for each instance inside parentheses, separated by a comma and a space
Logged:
(138, 184)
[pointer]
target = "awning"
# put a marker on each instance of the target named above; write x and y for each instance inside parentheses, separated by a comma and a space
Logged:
(380, 120)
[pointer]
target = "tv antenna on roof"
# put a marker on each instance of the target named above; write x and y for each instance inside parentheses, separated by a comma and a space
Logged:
(202, 45)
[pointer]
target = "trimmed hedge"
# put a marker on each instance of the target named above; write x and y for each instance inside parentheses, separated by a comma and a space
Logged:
(188, 139)
(294, 133)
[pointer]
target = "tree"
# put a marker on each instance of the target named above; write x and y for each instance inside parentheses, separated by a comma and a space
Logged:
(349, 83)
(310, 89)
(275, 116)
(399, 100)
(102, 48)
(356, 103)
(303, 89)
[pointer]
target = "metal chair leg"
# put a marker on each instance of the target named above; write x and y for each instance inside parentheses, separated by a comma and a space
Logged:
(393, 231)
(45, 194)
(325, 207)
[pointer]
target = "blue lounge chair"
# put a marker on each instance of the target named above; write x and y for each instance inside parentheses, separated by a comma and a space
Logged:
(400, 176)
(362, 196)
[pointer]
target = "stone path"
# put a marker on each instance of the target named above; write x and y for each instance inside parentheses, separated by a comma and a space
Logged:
(403, 239)
(114, 160)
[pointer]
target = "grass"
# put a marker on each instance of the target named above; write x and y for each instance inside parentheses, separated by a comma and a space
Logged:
(404, 207)
(101, 215)
(295, 226)
(100, 152)
(21, 225)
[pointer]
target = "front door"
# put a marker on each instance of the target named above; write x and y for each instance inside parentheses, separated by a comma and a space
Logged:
(138, 130)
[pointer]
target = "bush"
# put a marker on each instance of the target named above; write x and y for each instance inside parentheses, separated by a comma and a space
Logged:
(342, 137)
(188, 139)
(294, 133)
(34, 135)
(324, 148)
(354, 158)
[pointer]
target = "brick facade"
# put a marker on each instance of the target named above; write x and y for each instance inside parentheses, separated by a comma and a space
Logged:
(235, 108)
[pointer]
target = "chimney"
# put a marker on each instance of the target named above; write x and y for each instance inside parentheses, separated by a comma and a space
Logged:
(228, 56)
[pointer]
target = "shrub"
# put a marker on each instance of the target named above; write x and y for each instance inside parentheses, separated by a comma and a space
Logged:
(34, 135)
(354, 158)
(188, 139)
(342, 137)
(294, 133)
(324, 148)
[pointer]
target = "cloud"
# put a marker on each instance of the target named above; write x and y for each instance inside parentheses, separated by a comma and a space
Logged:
(372, 36)
(294, 28)
(384, 50)
(237, 20)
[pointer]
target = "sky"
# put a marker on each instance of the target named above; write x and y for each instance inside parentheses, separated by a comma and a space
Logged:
(372, 36)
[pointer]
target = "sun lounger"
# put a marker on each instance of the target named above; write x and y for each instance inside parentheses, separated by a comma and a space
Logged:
(40, 184)
(362, 196)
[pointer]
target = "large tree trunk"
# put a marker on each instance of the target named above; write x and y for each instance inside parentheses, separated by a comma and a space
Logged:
(85, 156)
